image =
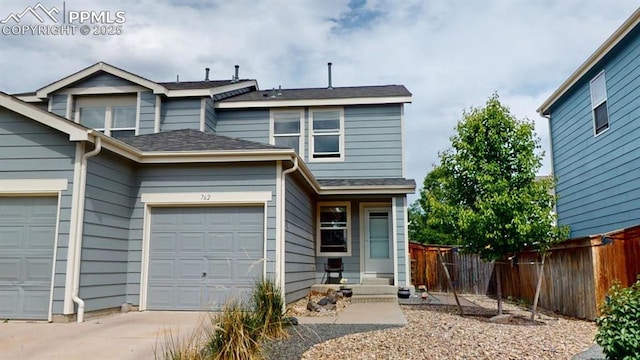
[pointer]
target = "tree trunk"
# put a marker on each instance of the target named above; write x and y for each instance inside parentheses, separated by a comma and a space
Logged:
(537, 296)
(499, 288)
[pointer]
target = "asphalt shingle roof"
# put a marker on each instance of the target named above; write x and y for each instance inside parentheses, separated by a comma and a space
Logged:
(323, 93)
(192, 140)
(190, 85)
(367, 182)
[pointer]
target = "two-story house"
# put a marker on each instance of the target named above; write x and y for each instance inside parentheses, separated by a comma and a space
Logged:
(115, 189)
(594, 121)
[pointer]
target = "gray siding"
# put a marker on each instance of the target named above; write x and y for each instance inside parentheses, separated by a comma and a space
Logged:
(250, 125)
(147, 113)
(373, 139)
(105, 244)
(198, 178)
(177, 114)
(299, 240)
(30, 150)
(102, 79)
(210, 116)
(373, 144)
(597, 176)
(59, 105)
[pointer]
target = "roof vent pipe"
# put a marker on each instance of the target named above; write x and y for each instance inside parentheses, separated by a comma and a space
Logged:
(329, 71)
(236, 77)
(206, 74)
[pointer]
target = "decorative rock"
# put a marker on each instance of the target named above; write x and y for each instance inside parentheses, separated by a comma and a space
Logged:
(501, 319)
(339, 295)
(422, 288)
(324, 301)
(312, 306)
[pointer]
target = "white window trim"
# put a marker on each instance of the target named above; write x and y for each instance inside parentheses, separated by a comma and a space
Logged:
(272, 134)
(340, 133)
(108, 102)
(346, 204)
(594, 106)
(203, 199)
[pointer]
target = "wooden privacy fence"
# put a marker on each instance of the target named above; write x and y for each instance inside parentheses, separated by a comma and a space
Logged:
(577, 272)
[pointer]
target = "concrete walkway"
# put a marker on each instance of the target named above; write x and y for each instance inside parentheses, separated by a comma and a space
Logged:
(388, 313)
(130, 336)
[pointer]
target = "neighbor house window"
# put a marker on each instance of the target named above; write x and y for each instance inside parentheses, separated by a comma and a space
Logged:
(326, 134)
(114, 116)
(333, 237)
(599, 103)
(287, 129)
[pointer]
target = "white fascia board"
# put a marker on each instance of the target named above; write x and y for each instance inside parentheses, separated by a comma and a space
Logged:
(313, 102)
(219, 156)
(82, 74)
(211, 91)
(75, 131)
(204, 198)
(600, 53)
(33, 186)
(366, 190)
(29, 98)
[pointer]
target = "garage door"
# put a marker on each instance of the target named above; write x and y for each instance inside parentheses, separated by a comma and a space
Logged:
(200, 257)
(27, 234)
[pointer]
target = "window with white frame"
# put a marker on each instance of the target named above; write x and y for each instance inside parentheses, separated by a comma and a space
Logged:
(333, 235)
(112, 115)
(287, 129)
(326, 135)
(598, 87)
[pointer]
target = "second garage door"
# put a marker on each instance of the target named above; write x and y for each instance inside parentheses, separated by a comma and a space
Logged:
(200, 257)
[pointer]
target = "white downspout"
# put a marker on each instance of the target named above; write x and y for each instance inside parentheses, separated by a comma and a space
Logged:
(283, 222)
(79, 227)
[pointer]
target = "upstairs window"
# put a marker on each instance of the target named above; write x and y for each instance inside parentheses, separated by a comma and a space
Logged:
(287, 129)
(114, 116)
(326, 135)
(333, 229)
(598, 88)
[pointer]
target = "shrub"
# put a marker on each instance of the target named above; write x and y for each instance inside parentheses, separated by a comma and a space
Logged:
(619, 325)
(268, 304)
(234, 334)
(175, 347)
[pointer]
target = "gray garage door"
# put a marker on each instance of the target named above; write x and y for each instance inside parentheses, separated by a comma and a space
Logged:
(27, 233)
(200, 257)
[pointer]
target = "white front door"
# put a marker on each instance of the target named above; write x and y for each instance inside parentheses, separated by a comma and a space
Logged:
(378, 256)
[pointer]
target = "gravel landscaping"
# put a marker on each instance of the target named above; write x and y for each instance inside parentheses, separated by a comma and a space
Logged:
(437, 332)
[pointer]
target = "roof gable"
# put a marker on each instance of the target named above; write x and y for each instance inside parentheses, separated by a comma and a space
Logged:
(94, 70)
(602, 51)
(169, 89)
(75, 131)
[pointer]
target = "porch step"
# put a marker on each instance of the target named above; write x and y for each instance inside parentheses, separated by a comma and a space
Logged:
(374, 290)
(360, 299)
(376, 281)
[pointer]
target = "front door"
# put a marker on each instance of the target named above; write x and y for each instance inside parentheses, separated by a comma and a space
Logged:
(377, 241)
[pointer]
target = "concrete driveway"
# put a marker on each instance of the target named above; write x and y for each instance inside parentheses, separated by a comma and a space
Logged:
(120, 336)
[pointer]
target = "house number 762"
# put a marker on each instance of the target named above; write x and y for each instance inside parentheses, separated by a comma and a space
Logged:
(205, 197)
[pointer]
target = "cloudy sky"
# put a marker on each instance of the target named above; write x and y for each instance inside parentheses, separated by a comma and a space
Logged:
(451, 54)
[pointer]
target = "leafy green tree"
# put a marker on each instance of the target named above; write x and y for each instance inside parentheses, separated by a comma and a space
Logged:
(420, 228)
(490, 200)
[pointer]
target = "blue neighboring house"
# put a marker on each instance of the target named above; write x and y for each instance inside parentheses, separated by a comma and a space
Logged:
(594, 119)
(115, 189)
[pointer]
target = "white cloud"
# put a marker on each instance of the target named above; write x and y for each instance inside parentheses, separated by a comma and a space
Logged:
(451, 54)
